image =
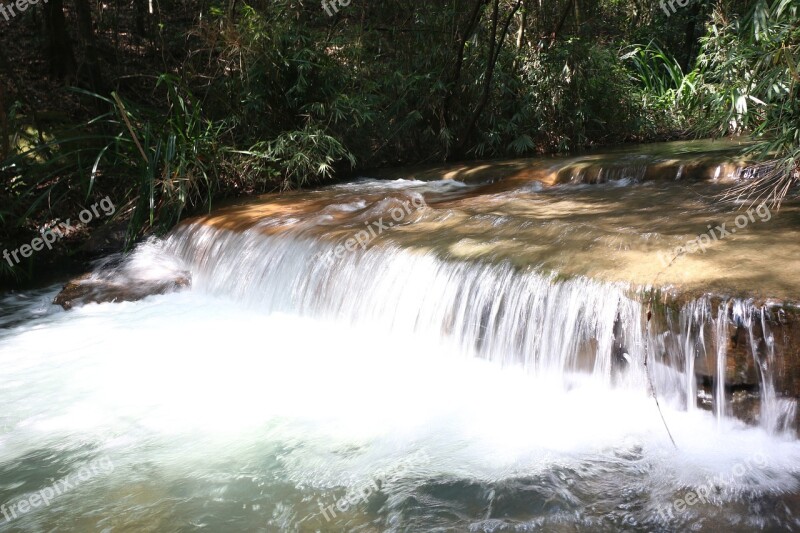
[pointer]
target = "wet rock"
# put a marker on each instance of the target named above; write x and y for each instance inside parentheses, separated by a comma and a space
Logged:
(746, 405)
(764, 347)
(94, 288)
(743, 402)
(772, 344)
(146, 271)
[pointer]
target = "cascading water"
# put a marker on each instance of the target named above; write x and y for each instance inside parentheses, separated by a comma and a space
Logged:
(692, 318)
(721, 324)
(511, 316)
(462, 388)
(490, 311)
(777, 414)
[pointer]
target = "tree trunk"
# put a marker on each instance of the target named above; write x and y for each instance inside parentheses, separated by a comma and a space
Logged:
(472, 24)
(557, 31)
(521, 34)
(4, 148)
(58, 48)
(494, 54)
(141, 18)
(692, 44)
(91, 68)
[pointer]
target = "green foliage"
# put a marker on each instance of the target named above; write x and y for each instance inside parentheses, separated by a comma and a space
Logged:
(751, 84)
(40, 176)
(301, 154)
(282, 98)
(172, 156)
(661, 75)
(566, 97)
(667, 95)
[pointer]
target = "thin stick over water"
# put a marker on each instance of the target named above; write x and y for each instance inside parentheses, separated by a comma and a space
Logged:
(647, 372)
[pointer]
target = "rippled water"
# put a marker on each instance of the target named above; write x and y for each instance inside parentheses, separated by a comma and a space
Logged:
(222, 418)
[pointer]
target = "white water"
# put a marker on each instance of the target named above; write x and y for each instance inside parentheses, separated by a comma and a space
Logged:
(487, 395)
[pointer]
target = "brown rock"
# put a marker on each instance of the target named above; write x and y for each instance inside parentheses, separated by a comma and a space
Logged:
(91, 288)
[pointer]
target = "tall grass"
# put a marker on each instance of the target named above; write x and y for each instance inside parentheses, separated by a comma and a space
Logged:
(158, 162)
(664, 88)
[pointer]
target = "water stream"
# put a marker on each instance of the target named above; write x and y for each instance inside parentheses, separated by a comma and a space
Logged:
(478, 365)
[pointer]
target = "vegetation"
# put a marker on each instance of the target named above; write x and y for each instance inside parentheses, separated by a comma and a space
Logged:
(750, 83)
(167, 107)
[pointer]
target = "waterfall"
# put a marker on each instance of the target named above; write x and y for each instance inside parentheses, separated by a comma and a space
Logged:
(563, 329)
(692, 317)
(493, 311)
(720, 336)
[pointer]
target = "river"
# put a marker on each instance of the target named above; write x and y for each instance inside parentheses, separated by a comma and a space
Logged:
(408, 355)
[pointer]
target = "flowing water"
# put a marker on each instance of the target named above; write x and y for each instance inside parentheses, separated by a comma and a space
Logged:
(416, 356)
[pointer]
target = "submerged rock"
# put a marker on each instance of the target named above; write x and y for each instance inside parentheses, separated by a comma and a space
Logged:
(90, 289)
(146, 272)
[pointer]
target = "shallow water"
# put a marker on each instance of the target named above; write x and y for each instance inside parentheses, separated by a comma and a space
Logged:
(620, 231)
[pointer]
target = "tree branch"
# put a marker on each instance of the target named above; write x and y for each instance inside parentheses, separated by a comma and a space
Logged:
(494, 54)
